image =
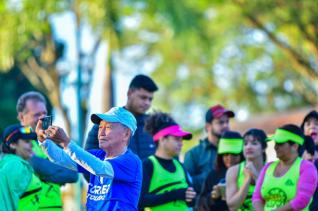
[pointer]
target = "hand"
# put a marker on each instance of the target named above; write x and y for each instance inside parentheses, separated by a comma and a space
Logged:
(190, 194)
(58, 135)
(250, 171)
(39, 132)
(216, 192)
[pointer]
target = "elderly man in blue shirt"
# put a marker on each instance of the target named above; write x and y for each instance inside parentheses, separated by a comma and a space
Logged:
(115, 171)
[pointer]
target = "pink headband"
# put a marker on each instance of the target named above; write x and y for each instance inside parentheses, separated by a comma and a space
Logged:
(174, 130)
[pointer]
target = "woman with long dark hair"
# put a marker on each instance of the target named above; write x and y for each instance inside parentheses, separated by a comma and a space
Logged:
(241, 178)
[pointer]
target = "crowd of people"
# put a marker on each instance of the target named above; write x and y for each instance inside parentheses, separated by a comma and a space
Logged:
(131, 161)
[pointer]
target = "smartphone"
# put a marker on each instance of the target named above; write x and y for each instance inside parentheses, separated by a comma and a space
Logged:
(46, 122)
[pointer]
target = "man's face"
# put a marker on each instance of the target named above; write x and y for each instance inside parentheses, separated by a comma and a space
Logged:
(139, 100)
(33, 111)
(112, 135)
(218, 126)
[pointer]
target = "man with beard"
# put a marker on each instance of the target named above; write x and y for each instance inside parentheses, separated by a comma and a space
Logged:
(199, 160)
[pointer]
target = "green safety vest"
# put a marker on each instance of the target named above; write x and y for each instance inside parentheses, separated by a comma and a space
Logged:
(247, 204)
(30, 199)
(278, 191)
(51, 197)
(163, 181)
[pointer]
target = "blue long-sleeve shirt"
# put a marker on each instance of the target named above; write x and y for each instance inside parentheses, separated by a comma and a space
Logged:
(110, 179)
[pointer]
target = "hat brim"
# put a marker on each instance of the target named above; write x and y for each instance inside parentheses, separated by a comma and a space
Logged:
(30, 136)
(97, 118)
(180, 133)
(282, 136)
(173, 130)
(228, 113)
(26, 137)
(230, 146)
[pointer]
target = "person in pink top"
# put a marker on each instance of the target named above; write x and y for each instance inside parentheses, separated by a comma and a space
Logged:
(290, 182)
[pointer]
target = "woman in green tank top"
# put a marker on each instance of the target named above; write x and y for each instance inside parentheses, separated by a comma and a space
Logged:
(19, 187)
(241, 178)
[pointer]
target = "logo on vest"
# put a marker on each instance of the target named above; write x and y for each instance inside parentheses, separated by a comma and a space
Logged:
(275, 197)
(289, 182)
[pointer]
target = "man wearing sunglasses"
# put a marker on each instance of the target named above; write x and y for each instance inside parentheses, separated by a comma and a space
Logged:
(31, 106)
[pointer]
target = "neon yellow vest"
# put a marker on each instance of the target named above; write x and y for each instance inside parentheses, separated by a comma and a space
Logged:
(30, 199)
(278, 191)
(247, 204)
(51, 194)
(161, 178)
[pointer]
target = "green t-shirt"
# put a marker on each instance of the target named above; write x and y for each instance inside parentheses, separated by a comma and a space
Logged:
(15, 177)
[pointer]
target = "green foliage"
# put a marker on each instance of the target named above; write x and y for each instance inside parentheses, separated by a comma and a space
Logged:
(14, 84)
(256, 55)
(22, 24)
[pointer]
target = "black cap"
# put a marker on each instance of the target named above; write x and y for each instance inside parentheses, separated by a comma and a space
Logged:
(15, 132)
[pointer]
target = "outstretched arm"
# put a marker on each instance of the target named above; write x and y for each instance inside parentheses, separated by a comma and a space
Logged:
(57, 155)
(88, 161)
(51, 172)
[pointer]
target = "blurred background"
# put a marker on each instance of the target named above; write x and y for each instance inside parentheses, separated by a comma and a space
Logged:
(258, 58)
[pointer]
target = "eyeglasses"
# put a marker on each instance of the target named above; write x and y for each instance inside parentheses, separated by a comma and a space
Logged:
(23, 130)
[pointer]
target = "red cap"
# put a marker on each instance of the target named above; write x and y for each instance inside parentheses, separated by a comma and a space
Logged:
(216, 112)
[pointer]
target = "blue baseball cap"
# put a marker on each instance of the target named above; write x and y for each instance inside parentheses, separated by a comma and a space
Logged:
(117, 114)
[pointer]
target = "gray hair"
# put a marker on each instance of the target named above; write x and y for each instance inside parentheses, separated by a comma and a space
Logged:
(32, 95)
